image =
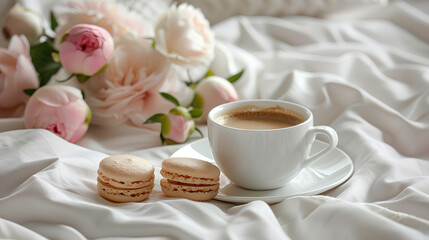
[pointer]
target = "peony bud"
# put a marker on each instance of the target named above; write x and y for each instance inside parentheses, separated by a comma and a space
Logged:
(178, 124)
(211, 92)
(24, 21)
(177, 128)
(86, 49)
(59, 109)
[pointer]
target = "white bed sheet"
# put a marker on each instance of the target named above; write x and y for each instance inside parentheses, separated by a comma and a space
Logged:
(366, 75)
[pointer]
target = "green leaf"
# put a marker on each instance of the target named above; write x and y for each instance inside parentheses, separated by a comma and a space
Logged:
(54, 23)
(190, 84)
(83, 94)
(47, 72)
(170, 98)
(63, 38)
(235, 77)
(41, 56)
(165, 124)
(156, 118)
(198, 101)
(88, 116)
(82, 78)
(30, 91)
(102, 69)
(209, 73)
(199, 131)
(162, 138)
(196, 112)
(170, 142)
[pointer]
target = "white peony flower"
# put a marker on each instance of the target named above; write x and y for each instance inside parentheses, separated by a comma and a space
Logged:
(184, 35)
(20, 20)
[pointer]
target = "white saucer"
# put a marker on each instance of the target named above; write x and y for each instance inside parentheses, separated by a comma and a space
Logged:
(326, 173)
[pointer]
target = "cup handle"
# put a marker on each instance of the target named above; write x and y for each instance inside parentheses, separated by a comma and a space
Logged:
(333, 141)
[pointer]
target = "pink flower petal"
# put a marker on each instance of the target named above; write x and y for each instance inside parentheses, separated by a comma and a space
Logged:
(58, 108)
(18, 74)
(19, 45)
(94, 63)
(71, 59)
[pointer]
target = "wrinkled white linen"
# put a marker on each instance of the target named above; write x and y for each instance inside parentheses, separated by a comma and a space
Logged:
(216, 11)
(366, 75)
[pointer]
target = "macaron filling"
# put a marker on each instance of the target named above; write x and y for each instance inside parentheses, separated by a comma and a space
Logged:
(123, 195)
(124, 184)
(190, 188)
(190, 184)
(149, 183)
(188, 179)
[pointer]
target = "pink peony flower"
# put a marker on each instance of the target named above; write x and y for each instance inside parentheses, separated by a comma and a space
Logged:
(177, 128)
(108, 14)
(211, 92)
(128, 90)
(20, 20)
(183, 35)
(86, 49)
(59, 109)
(16, 74)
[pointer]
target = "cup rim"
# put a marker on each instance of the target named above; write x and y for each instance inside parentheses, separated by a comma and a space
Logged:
(215, 110)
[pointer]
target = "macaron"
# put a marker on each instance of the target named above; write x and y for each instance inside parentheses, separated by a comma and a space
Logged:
(189, 178)
(125, 178)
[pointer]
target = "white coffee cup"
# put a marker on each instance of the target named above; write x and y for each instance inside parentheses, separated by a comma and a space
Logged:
(265, 159)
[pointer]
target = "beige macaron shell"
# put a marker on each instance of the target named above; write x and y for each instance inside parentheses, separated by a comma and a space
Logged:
(197, 192)
(126, 171)
(123, 195)
(190, 170)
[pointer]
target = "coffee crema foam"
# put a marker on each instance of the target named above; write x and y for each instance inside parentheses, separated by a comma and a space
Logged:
(260, 118)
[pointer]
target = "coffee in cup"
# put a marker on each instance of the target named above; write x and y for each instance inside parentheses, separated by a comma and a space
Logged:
(262, 144)
(260, 118)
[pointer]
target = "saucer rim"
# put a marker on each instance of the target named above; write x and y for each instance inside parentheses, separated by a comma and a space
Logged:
(271, 199)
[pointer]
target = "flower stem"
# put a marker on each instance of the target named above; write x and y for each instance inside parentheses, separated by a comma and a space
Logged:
(65, 80)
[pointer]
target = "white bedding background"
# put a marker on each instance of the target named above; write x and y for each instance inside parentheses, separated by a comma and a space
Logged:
(365, 73)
